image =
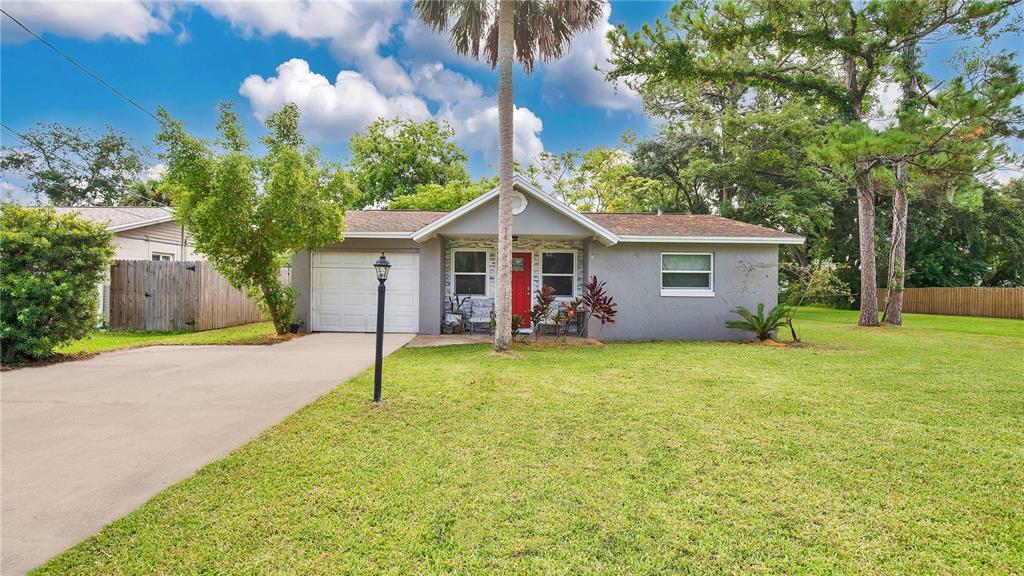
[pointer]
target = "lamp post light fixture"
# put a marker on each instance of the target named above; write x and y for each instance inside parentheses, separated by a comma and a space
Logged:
(381, 266)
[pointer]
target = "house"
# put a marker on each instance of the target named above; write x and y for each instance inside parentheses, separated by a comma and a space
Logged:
(141, 233)
(673, 276)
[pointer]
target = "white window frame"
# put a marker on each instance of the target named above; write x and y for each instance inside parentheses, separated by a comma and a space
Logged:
(687, 292)
(572, 274)
(485, 273)
(170, 256)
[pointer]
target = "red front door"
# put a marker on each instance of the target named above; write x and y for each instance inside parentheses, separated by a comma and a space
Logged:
(522, 264)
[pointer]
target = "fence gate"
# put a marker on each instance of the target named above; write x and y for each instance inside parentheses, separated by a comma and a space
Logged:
(175, 296)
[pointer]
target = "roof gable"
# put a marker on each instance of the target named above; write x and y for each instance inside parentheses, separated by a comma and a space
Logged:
(520, 184)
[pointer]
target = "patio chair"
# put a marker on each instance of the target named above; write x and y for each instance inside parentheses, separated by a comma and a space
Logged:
(481, 313)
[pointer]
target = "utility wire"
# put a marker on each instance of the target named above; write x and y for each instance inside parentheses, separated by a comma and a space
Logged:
(79, 66)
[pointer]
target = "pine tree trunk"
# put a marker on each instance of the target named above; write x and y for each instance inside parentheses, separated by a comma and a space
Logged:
(503, 289)
(897, 277)
(898, 253)
(866, 226)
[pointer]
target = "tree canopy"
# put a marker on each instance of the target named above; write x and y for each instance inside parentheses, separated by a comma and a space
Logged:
(74, 167)
(249, 213)
(392, 157)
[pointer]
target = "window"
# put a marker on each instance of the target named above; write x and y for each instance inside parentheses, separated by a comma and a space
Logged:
(687, 274)
(558, 270)
(162, 257)
(469, 269)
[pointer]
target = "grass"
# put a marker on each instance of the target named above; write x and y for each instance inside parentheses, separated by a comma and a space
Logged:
(866, 451)
(259, 333)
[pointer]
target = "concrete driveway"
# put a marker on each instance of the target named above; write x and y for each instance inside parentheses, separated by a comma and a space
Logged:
(84, 443)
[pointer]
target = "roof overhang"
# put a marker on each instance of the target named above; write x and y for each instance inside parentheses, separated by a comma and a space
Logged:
(140, 223)
(603, 235)
(386, 235)
(713, 239)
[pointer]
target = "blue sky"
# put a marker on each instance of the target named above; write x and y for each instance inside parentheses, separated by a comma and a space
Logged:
(343, 62)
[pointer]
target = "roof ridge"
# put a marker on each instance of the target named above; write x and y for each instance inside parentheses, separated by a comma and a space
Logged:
(657, 214)
(398, 210)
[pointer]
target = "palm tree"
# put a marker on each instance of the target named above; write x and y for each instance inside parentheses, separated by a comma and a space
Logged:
(499, 31)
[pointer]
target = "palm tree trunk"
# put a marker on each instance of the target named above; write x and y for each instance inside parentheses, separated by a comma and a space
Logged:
(866, 225)
(503, 290)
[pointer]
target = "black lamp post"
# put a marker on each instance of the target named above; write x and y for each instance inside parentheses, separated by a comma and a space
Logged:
(381, 266)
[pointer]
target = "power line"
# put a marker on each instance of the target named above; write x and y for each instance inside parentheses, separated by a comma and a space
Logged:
(79, 66)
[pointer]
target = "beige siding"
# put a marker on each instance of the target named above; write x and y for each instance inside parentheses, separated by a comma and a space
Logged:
(141, 243)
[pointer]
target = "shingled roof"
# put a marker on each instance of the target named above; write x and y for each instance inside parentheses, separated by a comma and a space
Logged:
(119, 217)
(370, 221)
(620, 224)
(682, 225)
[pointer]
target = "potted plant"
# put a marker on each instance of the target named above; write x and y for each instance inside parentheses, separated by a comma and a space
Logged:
(455, 320)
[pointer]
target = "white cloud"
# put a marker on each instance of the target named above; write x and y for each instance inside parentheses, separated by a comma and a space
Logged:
(476, 129)
(421, 44)
(887, 96)
(154, 172)
(355, 31)
(474, 114)
(132, 20)
(333, 111)
(440, 84)
(330, 111)
(573, 76)
(14, 194)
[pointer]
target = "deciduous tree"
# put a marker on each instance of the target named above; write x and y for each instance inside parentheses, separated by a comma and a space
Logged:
(392, 157)
(74, 167)
(248, 213)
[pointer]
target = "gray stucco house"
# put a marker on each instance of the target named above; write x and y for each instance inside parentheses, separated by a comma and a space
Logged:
(674, 276)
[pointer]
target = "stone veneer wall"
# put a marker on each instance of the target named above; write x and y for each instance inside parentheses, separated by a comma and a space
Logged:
(534, 246)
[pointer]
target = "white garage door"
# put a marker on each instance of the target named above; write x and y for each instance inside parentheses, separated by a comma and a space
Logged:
(344, 292)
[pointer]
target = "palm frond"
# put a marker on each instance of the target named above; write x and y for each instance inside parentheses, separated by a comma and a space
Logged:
(543, 29)
(760, 325)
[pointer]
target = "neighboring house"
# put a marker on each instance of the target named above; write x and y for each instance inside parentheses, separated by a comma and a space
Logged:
(141, 233)
(673, 276)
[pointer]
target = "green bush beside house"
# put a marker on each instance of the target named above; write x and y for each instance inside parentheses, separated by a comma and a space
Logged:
(49, 267)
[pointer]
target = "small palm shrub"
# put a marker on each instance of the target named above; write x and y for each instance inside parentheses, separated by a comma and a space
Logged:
(760, 325)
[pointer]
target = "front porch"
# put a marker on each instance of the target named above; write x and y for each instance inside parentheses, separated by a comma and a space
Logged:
(470, 268)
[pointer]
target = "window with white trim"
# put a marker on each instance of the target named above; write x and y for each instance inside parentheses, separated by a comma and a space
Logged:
(469, 272)
(162, 257)
(558, 270)
(687, 274)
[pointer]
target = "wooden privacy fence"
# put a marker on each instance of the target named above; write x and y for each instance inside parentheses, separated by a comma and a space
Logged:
(166, 296)
(969, 301)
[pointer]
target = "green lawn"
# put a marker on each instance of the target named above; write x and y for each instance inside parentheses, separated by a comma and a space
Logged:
(866, 451)
(115, 340)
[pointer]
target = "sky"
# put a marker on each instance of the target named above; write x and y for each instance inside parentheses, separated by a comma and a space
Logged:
(344, 62)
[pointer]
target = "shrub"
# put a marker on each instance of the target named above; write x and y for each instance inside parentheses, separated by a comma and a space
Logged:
(545, 297)
(49, 268)
(597, 304)
(760, 325)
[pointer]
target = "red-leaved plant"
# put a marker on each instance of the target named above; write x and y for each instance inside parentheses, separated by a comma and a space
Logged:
(597, 303)
(541, 309)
